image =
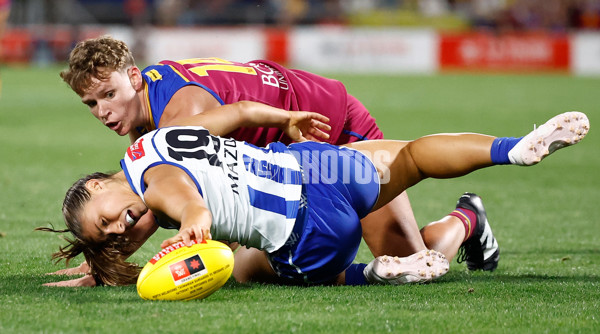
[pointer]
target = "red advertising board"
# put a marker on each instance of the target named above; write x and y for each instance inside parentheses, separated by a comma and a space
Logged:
(16, 46)
(504, 52)
(39, 43)
(277, 45)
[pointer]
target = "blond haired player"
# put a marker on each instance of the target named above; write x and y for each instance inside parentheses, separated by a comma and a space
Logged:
(131, 102)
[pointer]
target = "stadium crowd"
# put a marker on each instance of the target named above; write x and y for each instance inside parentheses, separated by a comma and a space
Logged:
(554, 15)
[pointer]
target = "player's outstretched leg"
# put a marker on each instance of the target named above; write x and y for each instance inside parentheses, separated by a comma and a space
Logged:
(560, 131)
(420, 267)
(454, 155)
(480, 249)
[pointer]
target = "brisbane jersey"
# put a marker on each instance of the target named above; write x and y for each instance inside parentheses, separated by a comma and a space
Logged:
(259, 81)
(252, 193)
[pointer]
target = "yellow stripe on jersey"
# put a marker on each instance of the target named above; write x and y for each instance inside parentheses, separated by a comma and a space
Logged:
(203, 70)
(152, 127)
(212, 60)
(203, 65)
(178, 73)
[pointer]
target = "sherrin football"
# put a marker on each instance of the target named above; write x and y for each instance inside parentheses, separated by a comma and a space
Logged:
(179, 272)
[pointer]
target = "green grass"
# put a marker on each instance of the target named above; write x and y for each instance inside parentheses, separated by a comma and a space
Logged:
(545, 218)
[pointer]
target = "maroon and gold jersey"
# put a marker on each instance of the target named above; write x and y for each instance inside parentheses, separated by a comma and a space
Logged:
(259, 81)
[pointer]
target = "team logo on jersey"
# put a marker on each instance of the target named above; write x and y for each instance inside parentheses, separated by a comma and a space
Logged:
(187, 269)
(136, 150)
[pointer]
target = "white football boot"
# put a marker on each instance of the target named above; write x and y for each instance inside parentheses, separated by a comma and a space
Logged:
(420, 267)
(560, 131)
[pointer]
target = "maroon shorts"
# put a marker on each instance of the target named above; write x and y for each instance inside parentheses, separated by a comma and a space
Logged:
(359, 124)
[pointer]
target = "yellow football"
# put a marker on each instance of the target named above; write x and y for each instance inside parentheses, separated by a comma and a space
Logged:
(179, 272)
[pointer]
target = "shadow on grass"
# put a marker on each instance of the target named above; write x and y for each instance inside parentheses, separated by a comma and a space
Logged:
(29, 287)
(507, 277)
(21, 286)
(552, 251)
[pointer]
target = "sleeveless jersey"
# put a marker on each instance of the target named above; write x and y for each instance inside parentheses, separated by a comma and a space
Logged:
(259, 81)
(252, 193)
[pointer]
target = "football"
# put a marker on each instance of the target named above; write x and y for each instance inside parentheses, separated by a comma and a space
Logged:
(179, 272)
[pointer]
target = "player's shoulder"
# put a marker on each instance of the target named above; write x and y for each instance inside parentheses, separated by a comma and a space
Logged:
(158, 72)
(196, 131)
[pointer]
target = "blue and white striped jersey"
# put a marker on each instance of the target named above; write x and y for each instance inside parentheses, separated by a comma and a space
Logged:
(253, 193)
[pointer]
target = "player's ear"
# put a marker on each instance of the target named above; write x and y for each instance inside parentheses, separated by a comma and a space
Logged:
(135, 77)
(94, 185)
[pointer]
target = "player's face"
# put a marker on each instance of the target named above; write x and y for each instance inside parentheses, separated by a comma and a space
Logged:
(114, 102)
(112, 209)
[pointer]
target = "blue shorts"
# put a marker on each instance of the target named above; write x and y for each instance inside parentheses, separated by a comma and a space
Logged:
(340, 186)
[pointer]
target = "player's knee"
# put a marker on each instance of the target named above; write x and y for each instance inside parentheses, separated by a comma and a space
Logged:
(252, 265)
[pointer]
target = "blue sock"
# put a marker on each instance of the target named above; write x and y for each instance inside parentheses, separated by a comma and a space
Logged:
(500, 148)
(354, 274)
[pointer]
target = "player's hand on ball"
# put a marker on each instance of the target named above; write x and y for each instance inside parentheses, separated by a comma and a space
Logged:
(199, 232)
(195, 220)
(305, 125)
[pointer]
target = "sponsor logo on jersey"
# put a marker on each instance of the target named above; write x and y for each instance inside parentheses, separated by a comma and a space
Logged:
(187, 269)
(136, 150)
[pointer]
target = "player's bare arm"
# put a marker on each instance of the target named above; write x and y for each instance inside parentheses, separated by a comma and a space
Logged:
(193, 105)
(86, 280)
(81, 269)
(298, 125)
(186, 102)
(171, 194)
(195, 225)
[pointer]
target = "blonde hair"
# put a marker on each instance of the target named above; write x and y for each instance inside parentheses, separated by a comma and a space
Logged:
(95, 58)
(106, 259)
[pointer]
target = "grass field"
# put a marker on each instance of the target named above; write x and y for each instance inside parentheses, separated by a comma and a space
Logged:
(545, 218)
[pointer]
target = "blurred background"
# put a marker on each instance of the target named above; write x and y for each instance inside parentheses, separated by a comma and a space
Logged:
(385, 36)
